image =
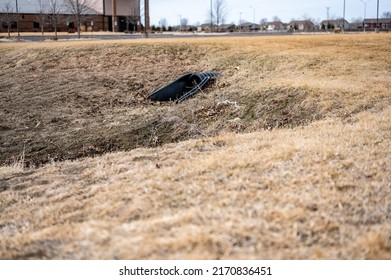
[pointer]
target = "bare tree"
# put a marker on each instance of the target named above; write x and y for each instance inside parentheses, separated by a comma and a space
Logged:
(8, 16)
(184, 22)
(219, 12)
(311, 19)
(163, 23)
(80, 10)
(386, 14)
(356, 20)
(263, 21)
(276, 18)
(306, 17)
(134, 14)
(42, 12)
(54, 15)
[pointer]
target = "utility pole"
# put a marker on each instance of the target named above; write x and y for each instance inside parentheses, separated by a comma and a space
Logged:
(17, 17)
(344, 10)
(365, 11)
(211, 16)
(240, 21)
(146, 15)
(254, 8)
(377, 19)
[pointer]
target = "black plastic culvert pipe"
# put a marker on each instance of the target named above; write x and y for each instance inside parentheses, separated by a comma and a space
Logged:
(183, 87)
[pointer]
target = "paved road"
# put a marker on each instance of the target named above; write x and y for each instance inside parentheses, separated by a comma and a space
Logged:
(151, 36)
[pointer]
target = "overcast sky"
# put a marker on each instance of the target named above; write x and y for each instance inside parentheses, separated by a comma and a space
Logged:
(196, 10)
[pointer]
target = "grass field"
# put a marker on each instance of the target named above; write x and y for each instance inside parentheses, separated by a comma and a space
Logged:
(286, 156)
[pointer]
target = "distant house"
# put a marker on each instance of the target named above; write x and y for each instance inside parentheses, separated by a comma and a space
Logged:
(244, 26)
(334, 24)
(206, 27)
(274, 26)
(384, 23)
(184, 28)
(302, 25)
(248, 26)
(356, 26)
(227, 28)
(175, 28)
(191, 28)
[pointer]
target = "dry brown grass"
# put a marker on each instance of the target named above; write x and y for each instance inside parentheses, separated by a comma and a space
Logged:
(310, 180)
(74, 99)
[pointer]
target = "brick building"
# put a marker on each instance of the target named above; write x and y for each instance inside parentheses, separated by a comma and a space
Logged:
(97, 16)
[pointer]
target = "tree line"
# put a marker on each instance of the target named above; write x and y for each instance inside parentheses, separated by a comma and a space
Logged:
(217, 14)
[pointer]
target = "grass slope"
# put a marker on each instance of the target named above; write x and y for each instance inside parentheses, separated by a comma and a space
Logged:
(309, 178)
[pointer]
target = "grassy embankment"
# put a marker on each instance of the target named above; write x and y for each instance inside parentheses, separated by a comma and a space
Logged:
(286, 156)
